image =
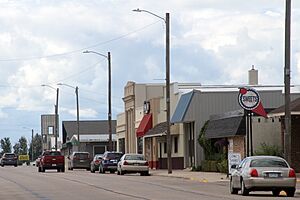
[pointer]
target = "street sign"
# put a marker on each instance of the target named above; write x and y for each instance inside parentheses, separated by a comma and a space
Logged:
(23, 157)
(233, 159)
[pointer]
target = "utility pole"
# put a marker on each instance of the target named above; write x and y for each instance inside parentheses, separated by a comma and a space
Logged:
(169, 139)
(31, 144)
(77, 106)
(109, 103)
(56, 118)
(287, 77)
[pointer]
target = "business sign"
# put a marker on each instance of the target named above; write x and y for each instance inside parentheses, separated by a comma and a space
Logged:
(249, 99)
(23, 157)
(233, 159)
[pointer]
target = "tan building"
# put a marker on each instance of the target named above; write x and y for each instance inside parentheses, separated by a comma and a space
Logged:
(144, 132)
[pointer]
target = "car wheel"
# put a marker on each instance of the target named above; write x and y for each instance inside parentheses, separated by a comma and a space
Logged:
(39, 169)
(71, 168)
(244, 190)
(16, 165)
(276, 192)
(122, 172)
(118, 172)
(112, 171)
(232, 189)
(290, 192)
(62, 169)
(58, 170)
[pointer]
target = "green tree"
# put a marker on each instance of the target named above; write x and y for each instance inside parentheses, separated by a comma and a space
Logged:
(37, 147)
(23, 146)
(5, 145)
(17, 148)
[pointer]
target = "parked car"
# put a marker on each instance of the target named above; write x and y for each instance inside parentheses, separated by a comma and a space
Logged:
(263, 173)
(109, 162)
(133, 163)
(51, 160)
(9, 159)
(79, 160)
(96, 162)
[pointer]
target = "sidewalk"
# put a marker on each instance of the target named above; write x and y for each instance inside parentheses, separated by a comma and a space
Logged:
(192, 175)
(197, 175)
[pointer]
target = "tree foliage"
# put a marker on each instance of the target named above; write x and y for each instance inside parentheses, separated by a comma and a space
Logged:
(21, 148)
(5, 145)
(37, 147)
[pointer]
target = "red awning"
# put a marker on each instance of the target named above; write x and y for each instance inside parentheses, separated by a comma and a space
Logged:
(144, 126)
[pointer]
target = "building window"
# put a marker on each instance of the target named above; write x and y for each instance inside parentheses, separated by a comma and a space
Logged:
(50, 130)
(165, 147)
(175, 144)
(140, 145)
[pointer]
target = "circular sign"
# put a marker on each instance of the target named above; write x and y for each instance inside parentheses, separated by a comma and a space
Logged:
(248, 98)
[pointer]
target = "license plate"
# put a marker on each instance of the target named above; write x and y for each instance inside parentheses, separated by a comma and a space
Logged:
(53, 165)
(273, 175)
(81, 160)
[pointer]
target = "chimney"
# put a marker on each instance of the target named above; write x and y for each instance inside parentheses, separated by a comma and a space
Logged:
(253, 76)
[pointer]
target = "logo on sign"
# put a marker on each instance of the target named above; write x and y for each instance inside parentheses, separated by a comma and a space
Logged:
(248, 98)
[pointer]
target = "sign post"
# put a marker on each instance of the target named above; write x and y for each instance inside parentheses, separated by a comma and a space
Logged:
(249, 100)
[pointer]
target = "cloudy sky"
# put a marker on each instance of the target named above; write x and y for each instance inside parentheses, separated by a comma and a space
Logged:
(212, 42)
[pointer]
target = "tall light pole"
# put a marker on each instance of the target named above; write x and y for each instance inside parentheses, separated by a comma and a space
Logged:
(32, 132)
(169, 142)
(56, 113)
(287, 83)
(108, 57)
(77, 106)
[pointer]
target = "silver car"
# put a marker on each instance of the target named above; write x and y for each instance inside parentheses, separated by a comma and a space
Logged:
(263, 173)
(133, 163)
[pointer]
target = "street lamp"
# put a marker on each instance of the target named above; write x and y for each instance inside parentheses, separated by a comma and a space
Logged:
(56, 112)
(169, 143)
(109, 95)
(77, 103)
(31, 142)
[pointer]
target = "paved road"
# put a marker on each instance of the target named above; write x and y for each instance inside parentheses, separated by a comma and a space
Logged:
(26, 183)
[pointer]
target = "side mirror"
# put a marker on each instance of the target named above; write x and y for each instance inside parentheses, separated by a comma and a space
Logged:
(234, 166)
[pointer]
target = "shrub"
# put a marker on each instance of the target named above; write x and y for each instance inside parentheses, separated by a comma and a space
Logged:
(268, 150)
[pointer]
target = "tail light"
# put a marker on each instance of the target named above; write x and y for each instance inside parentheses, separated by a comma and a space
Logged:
(146, 163)
(253, 173)
(292, 173)
(97, 161)
(15, 158)
(125, 163)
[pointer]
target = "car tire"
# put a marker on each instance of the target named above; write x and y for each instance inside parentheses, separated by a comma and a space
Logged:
(290, 192)
(71, 168)
(112, 171)
(16, 165)
(39, 169)
(62, 169)
(232, 189)
(122, 172)
(92, 170)
(276, 192)
(118, 172)
(244, 190)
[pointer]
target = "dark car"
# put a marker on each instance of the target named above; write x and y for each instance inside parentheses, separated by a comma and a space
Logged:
(96, 162)
(9, 159)
(110, 162)
(79, 160)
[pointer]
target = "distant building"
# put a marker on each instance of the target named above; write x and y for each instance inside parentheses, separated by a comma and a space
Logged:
(48, 131)
(93, 136)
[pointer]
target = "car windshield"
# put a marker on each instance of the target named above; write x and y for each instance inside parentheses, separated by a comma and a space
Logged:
(82, 155)
(134, 157)
(268, 163)
(114, 155)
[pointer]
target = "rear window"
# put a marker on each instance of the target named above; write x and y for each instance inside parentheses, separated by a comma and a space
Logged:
(114, 155)
(9, 155)
(81, 155)
(268, 163)
(52, 153)
(134, 157)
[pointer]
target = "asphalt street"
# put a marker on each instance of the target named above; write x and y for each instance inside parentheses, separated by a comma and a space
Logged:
(26, 183)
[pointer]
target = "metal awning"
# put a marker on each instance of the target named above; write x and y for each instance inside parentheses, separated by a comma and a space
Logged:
(182, 107)
(158, 130)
